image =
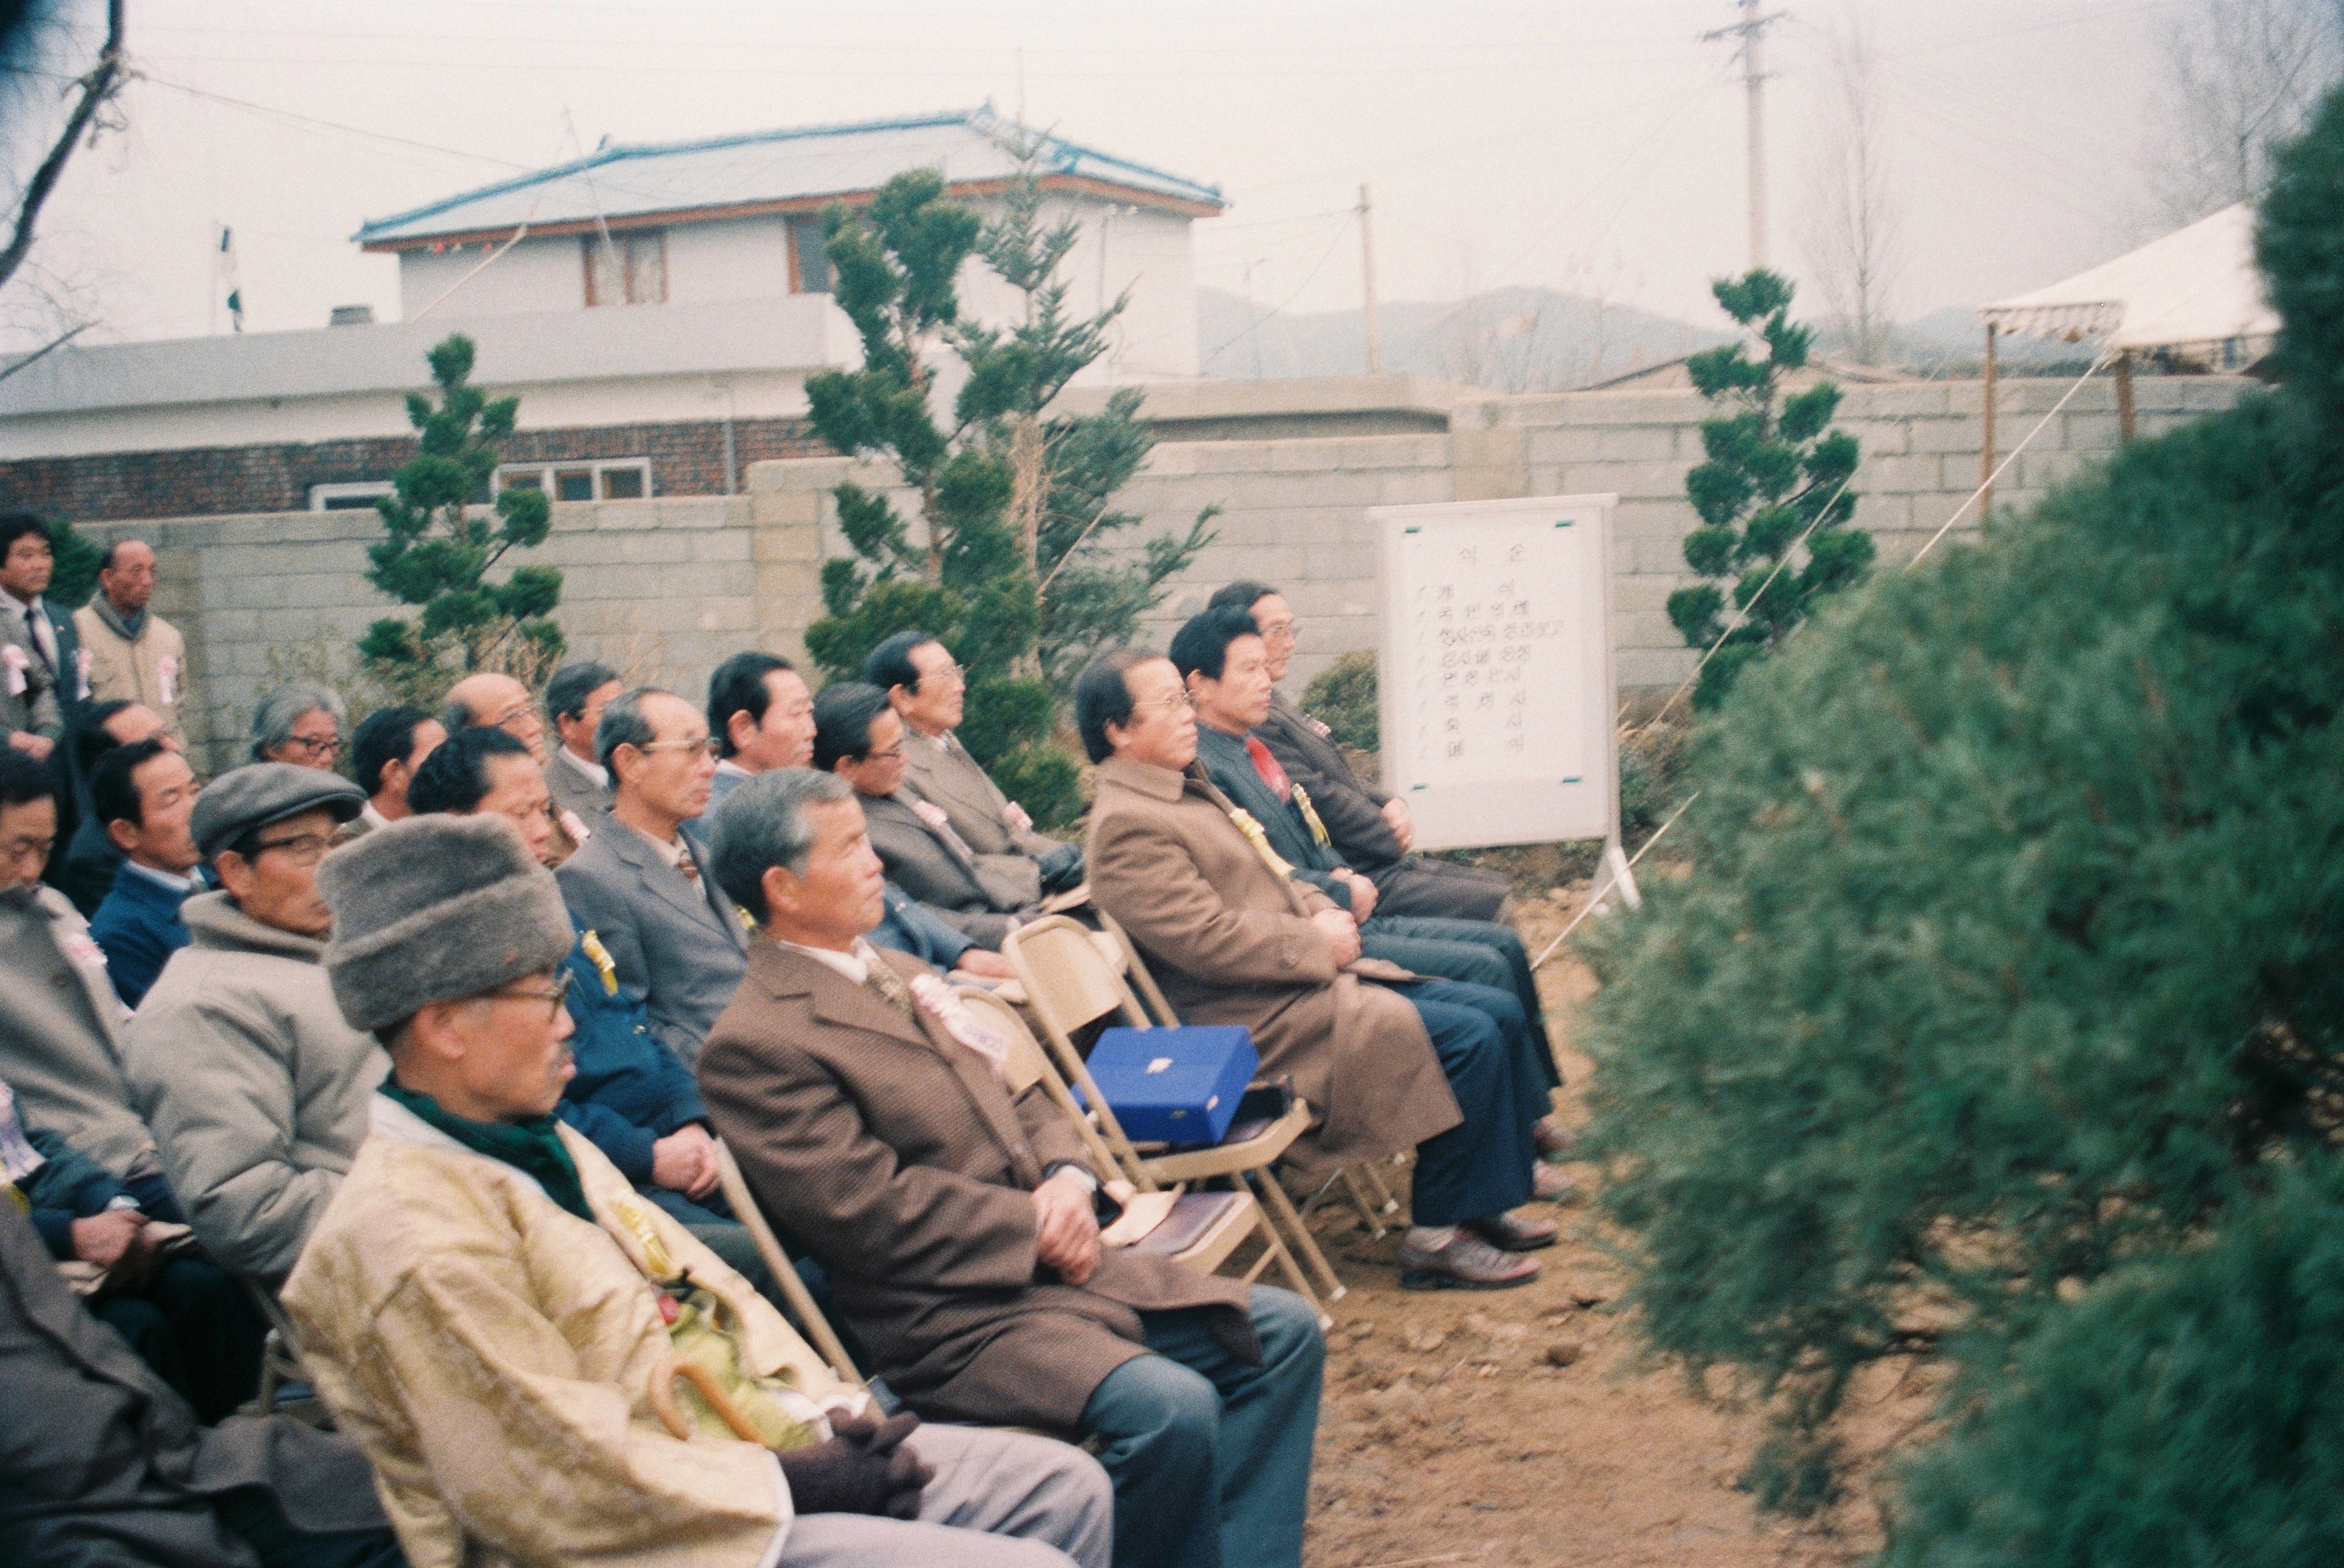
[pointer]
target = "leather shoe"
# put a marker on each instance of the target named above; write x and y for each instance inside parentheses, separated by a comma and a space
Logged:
(1552, 1140)
(1512, 1235)
(1467, 1263)
(1547, 1182)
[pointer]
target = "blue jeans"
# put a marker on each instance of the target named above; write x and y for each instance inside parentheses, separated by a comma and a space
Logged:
(1210, 1457)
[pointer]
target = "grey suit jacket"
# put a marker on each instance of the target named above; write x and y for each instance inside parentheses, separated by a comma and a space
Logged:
(980, 894)
(573, 791)
(979, 812)
(678, 945)
(40, 706)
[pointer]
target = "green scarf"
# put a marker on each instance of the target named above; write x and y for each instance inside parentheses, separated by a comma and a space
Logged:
(532, 1147)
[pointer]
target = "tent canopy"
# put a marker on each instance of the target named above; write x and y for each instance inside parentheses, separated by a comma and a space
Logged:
(2196, 286)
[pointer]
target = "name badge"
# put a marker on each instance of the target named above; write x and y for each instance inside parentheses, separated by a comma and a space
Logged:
(167, 675)
(81, 674)
(14, 658)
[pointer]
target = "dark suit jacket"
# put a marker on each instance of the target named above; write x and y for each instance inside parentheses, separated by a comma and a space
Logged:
(979, 812)
(676, 944)
(103, 1463)
(898, 1156)
(977, 893)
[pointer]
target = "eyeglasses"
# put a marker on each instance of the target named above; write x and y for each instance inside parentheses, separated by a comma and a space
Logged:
(1277, 632)
(1173, 705)
(525, 708)
(302, 849)
(553, 998)
(894, 753)
(310, 745)
(950, 675)
(710, 745)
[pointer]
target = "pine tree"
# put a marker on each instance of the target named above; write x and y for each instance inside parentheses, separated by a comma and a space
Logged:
(1012, 569)
(439, 547)
(1774, 481)
(2002, 1020)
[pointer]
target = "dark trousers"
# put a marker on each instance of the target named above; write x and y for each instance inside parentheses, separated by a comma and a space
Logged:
(1210, 1457)
(1416, 885)
(197, 1330)
(253, 1516)
(1481, 1166)
(1477, 952)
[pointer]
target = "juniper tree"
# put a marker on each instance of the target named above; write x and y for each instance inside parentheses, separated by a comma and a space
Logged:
(2002, 1019)
(1771, 495)
(441, 545)
(1011, 567)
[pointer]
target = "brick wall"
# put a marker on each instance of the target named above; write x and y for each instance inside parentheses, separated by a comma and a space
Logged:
(686, 459)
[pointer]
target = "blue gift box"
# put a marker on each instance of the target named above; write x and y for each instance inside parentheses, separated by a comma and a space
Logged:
(1178, 1085)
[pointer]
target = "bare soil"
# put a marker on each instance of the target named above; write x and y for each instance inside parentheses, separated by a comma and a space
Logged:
(1522, 1427)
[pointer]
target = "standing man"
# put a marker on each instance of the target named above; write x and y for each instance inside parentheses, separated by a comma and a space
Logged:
(39, 653)
(574, 700)
(389, 746)
(929, 691)
(144, 795)
(255, 1086)
(956, 1222)
(128, 651)
(673, 937)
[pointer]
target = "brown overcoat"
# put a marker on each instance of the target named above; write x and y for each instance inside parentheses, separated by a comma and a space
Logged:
(1231, 942)
(898, 1159)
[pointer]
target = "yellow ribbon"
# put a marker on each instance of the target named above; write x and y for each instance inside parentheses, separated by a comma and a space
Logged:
(603, 964)
(1261, 842)
(656, 1264)
(1311, 813)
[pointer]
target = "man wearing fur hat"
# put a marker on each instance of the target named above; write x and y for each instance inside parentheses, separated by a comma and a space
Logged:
(239, 1061)
(520, 1342)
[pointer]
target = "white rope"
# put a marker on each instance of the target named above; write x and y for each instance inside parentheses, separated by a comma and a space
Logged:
(2097, 365)
(1597, 896)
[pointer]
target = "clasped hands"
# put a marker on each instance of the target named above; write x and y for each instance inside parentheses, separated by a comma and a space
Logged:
(120, 1242)
(685, 1161)
(1067, 1232)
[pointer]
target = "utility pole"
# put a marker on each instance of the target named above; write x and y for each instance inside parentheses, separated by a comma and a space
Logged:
(1752, 31)
(1368, 283)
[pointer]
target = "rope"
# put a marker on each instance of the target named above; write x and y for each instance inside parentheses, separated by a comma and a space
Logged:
(1597, 896)
(2097, 364)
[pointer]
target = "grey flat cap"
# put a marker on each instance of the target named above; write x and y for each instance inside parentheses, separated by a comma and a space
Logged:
(261, 792)
(437, 909)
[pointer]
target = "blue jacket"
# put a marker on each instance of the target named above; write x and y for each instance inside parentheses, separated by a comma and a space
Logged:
(138, 926)
(631, 1090)
(67, 1186)
(908, 927)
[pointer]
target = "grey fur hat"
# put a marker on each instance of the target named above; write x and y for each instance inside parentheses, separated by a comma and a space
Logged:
(435, 909)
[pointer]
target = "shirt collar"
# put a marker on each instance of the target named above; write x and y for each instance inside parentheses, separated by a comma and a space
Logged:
(594, 773)
(172, 880)
(732, 769)
(854, 965)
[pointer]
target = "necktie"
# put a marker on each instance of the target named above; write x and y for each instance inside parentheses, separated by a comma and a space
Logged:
(882, 978)
(1267, 768)
(37, 636)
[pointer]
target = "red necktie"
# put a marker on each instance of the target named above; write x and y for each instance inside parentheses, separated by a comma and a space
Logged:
(1266, 766)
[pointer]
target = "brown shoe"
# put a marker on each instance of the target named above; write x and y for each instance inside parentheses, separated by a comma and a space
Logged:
(1552, 1140)
(1547, 1182)
(1512, 1235)
(1467, 1263)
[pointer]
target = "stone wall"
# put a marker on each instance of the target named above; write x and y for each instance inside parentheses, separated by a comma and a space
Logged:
(664, 589)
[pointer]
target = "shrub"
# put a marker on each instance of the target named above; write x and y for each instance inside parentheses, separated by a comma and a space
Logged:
(1343, 697)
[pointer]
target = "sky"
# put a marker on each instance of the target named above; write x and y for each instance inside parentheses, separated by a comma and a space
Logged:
(1595, 146)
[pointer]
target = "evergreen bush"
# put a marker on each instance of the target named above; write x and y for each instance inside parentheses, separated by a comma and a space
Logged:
(2003, 1018)
(1344, 696)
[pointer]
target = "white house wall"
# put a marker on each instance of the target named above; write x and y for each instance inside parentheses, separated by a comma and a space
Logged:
(535, 275)
(738, 258)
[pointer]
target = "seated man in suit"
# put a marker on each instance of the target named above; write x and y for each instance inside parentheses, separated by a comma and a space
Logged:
(984, 896)
(1369, 830)
(386, 748)
(574, 700)
(1233, 939)
(928, 690)
(498, 1318)
(673, 938)
(957, 1223)
(92, 857)
(144, 795)
(1220, 654)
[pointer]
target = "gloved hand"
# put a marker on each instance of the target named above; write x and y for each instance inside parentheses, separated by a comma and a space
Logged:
(1061, 867)
(864, 1468)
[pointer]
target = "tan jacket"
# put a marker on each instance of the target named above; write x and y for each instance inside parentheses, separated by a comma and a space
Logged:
(896, 1154)
(152, 670)
(61, 1031)
(492, 1353)
(1231, 942)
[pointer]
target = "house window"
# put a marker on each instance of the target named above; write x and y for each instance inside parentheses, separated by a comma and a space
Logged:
(626, 478)
(809, 257)
(357, 497)
(626, 268)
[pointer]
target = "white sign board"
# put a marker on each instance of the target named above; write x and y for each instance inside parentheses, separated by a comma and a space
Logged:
(1496, 679)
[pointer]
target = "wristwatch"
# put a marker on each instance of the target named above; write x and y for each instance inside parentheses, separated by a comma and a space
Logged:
(1090, 1182)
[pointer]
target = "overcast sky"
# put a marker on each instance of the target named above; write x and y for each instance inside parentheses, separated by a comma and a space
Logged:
(1594, 145)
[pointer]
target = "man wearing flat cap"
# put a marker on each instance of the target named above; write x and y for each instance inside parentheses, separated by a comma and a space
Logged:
(520, 1342)
(255, 1087)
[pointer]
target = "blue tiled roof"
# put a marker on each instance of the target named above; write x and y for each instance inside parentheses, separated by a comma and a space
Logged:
(809, 162)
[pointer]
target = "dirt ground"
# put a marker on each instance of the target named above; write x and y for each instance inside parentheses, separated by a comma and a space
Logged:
(1515, 1427)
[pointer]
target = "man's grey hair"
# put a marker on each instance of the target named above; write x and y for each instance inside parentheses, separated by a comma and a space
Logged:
(624, 724)
(280, 709)
(766, 823)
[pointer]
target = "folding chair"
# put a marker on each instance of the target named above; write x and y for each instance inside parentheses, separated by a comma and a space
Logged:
(769, 1246)
(1239, 1215)
(285, 1386)
(1372, 1198)
(1070, 985)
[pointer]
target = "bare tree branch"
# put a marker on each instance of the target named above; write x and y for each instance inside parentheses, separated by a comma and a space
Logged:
(59, 341)
(95, 89)
(1856, 249)
(2241, 76)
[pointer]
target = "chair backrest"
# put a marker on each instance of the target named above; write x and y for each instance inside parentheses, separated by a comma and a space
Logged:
(1029, 1064)
(801, 1301)
(1068, 981)
(1151, 996)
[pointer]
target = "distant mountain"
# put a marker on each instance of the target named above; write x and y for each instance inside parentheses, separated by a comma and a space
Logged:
(1951, 342)
(1508, 339)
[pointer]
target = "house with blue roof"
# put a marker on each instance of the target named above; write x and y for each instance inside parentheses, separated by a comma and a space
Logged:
(657, 307)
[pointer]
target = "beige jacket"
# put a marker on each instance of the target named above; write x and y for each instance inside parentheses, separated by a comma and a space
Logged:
(61, 1031)
(254, 1086)
(493, 1353)
(150, 670)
